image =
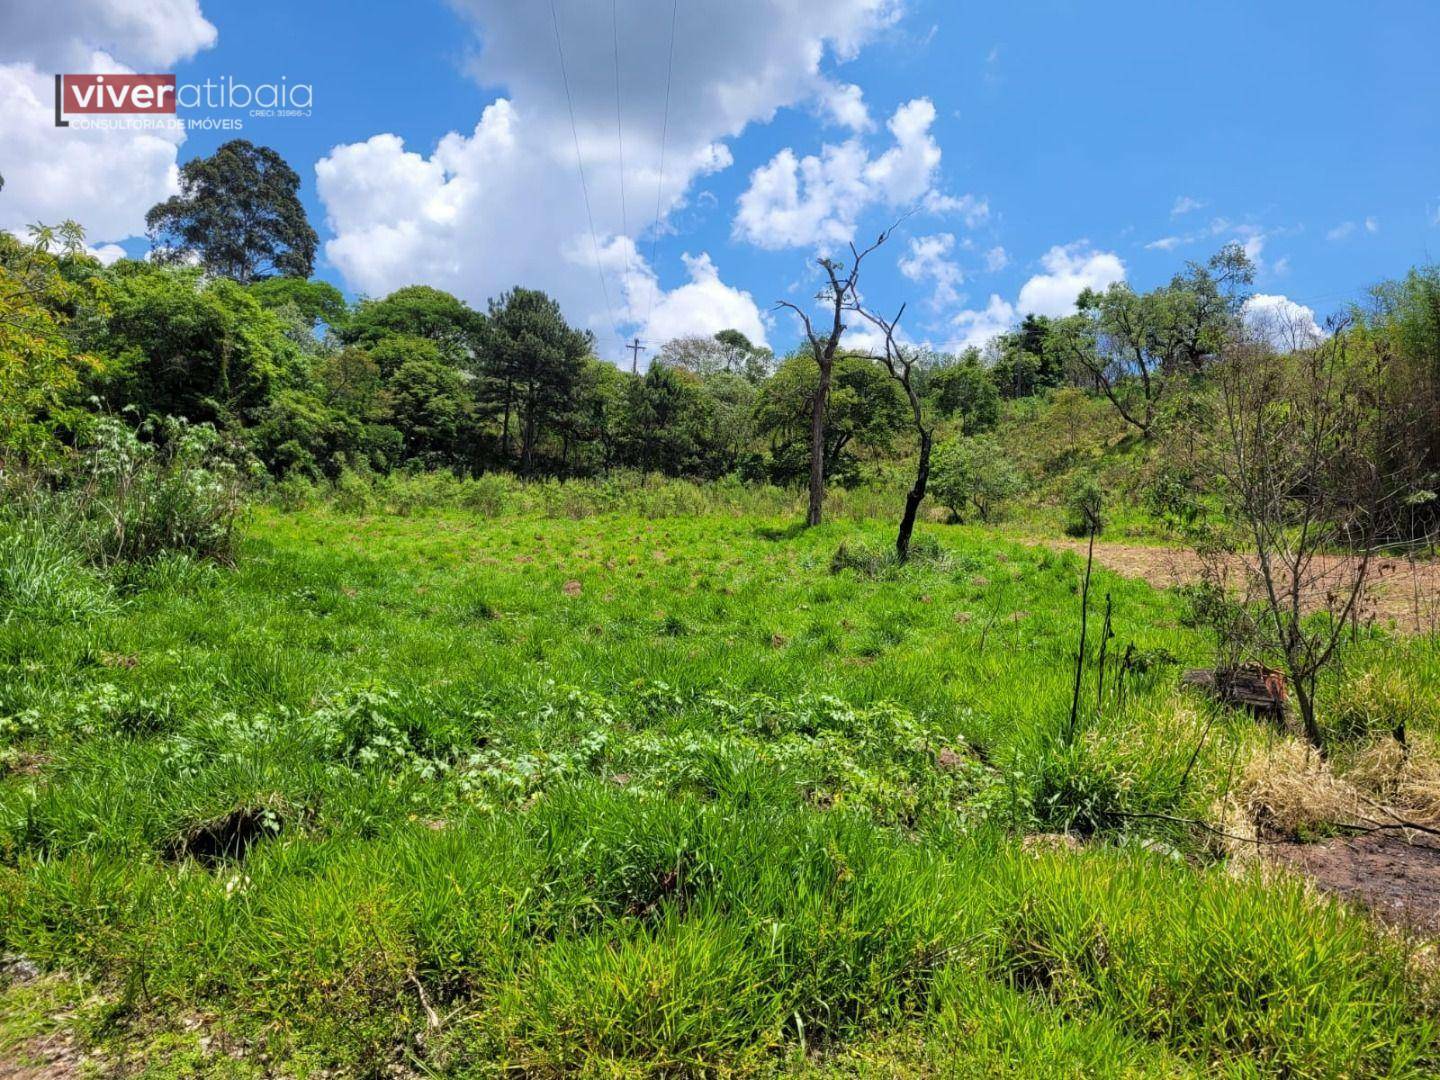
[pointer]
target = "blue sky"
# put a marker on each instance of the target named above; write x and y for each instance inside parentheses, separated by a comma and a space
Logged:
(1047, 145)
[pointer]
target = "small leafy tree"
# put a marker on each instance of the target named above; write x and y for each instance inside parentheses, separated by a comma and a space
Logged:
(864, 410)
(974, 472)
(430, 403)
(1137, 347)
(670, 422)
(965, 389)
(1084, 505)
(40, 369)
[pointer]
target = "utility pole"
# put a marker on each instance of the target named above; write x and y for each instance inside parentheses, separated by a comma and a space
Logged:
(635, 350)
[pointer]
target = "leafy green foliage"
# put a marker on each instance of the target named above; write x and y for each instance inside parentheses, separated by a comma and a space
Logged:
(966, 390)
(417, 311)
(865, 411)
(135, 495)
(238, 213)
(40, 369)
(973, 472)
(1084, 505)
(202, 349)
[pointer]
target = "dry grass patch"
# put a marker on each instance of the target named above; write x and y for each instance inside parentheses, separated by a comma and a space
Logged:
(1289, 791)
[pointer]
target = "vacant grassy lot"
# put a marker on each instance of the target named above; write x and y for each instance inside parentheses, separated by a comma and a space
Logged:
(627, 795)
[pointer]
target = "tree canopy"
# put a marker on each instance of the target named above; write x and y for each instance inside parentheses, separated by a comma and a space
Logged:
(238, 214)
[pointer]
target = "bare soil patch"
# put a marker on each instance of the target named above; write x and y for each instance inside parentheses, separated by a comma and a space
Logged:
(54, 1057)
(1399, 591)
(1396, 877)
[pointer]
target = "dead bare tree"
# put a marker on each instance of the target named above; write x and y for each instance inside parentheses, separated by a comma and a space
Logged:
(900, 364)
(1307, 464)
(841, 295)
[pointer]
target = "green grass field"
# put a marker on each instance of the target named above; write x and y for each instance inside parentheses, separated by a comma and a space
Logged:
(623, 795)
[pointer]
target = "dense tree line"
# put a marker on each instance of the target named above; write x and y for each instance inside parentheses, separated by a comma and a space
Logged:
(419, 378)
(223, 325)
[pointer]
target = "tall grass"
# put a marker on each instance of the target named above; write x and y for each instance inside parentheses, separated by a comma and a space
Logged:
(669, 795)
(623, 492)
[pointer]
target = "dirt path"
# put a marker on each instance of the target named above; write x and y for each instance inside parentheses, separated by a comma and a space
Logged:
(1396, 877)
(1400, 592)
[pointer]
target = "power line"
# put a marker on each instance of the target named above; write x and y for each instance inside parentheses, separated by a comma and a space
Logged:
(620, 140)
(660, 181)
(580, 167)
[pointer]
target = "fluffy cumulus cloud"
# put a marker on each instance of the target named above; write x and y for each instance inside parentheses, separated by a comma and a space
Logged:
(57, 34)
(106, 180)
(928, 259)
(844, 103)
(816, 200)
(1283, 322)
(976, 328)
(703, 305)
(1069, 270)
(503, 203)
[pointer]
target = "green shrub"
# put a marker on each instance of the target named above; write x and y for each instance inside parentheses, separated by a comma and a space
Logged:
(293, 491)
(355, 493)
(167, 486)
(974, 472)
(1084, 505)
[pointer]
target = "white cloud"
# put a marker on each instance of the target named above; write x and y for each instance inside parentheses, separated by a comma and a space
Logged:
(1347, 229)
(1283, 322)
(973, 209)
(928, 259)
(996, 259)
(845, 104)
(1069, 270)
(977, 328)
(1184, 204)
(1253, 245)
(449, 216)
(1251, 237)
(105, 180)
(816, 201)
(62, 34)
(106, 253)
(704, 305)
(862, 336)
(991, 73)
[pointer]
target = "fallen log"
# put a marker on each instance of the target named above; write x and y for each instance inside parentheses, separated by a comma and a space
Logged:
(1260, 689)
